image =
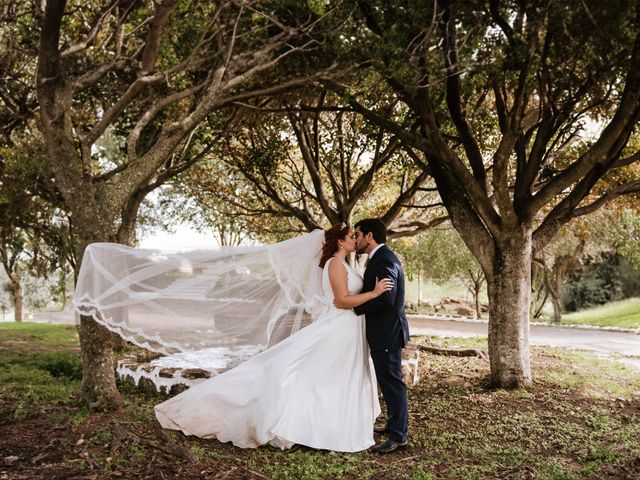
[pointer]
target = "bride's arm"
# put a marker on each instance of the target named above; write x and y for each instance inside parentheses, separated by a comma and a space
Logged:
(342, 297)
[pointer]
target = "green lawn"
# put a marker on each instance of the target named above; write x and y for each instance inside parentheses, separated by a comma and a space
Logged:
(434, 292)
(625, 314)
(39, 333)
(579, 420)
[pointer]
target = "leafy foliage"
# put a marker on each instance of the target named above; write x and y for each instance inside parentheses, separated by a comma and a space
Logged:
(600, 280)
(442, 256)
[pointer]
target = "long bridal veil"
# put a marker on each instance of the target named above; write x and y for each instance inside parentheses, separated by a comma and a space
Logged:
(240, 298)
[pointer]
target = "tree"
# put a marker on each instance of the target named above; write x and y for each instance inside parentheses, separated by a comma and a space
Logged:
(441, 255)
(606, 236)
(153, 72)
(17, 66)
(303, 166)
(183, 202)
(11, 250)
(619, 230)
(557, 262)
(494, 94)
(34, 236)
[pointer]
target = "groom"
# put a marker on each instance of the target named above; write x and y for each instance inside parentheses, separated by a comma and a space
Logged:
(387, 329)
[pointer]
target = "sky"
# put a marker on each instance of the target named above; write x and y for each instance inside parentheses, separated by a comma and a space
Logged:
(183, 238)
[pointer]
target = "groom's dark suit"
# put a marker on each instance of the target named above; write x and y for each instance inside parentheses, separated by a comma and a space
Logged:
(387, 334)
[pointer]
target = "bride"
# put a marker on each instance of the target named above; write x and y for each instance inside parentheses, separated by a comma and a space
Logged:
(316, 387)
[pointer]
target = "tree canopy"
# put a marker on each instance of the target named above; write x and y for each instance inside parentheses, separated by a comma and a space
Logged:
(520, 116)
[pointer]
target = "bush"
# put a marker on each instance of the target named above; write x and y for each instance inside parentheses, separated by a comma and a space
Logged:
(62, 364)
(599, 281)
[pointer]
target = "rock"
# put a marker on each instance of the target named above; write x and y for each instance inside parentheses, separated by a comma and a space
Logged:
(11, 460)
(167, 372)
(193, 373)
(144, 356)
(177, 388)
(466, 311)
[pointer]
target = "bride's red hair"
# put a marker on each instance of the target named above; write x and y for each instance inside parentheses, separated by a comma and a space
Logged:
(331, 237)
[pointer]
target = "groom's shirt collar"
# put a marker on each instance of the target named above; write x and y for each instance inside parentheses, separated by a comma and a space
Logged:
(374, 250)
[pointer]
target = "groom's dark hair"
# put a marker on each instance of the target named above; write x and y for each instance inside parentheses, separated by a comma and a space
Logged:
(375, 226)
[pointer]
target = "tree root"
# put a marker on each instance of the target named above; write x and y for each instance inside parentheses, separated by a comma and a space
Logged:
(452, 352)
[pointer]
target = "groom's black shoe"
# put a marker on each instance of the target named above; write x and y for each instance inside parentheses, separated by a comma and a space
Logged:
(381, 430)
(389, 446)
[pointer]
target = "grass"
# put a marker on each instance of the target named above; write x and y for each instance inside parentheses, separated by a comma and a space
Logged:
(625, 314)
(41, 366)
(579, 420)
(588, 372)
(38, 333)
(434, 292)
(621, 314)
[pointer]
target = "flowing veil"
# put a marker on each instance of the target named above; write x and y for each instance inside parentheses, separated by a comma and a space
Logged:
(242, 299)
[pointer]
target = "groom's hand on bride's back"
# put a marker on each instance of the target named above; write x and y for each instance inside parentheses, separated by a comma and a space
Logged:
(383, 285)
(388, 297)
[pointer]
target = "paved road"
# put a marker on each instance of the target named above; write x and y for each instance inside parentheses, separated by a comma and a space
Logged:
(606, 342)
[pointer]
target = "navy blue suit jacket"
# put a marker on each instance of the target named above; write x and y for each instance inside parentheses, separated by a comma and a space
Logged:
(387, 326)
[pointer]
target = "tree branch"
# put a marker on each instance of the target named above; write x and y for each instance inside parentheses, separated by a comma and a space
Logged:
(601, 151)
(622, 189)
(394, 210)
(453, 96)
(84, 43)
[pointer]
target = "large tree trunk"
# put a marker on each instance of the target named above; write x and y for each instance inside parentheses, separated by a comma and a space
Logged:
(16, 294)
(509, 291)
(97, 344)
(98, 376)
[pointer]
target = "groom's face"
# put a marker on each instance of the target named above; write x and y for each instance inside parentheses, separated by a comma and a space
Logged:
(362, 243)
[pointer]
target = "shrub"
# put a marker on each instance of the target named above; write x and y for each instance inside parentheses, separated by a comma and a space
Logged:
(62, 364)
(599, 281)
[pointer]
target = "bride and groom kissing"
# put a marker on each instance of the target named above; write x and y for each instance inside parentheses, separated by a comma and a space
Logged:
(315, 386)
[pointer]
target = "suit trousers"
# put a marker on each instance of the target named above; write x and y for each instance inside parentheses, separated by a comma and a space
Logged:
(388, 367)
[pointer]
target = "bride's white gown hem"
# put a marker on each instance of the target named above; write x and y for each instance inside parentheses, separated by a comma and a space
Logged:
(315, 388)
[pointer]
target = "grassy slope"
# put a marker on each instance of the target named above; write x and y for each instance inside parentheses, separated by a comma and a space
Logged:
(580, 420)
(625, 313)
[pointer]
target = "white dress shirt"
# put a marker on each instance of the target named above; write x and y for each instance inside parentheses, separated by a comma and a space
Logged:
(372, 252)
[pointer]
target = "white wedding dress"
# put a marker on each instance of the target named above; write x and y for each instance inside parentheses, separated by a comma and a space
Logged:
(315, 388)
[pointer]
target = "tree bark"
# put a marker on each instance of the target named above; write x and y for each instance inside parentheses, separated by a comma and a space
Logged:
(557, 312)
(97, 344)
(554, 284)
(476, 296)
(16, 293)
(98, 375)
(509, 292)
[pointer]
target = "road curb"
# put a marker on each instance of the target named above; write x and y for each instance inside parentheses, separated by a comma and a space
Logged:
(456, 318)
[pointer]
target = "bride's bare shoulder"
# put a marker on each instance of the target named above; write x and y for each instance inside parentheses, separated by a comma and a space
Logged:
(336, 267)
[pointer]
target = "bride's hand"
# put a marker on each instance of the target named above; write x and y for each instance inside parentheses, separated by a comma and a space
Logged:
(382, 286)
